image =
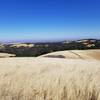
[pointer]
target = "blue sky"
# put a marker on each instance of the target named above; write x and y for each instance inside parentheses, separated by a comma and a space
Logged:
(43, 20)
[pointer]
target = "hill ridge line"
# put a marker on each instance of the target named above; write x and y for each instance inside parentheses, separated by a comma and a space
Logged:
(76, 54)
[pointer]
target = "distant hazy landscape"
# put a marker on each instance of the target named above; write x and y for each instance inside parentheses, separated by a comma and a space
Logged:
(37, 49)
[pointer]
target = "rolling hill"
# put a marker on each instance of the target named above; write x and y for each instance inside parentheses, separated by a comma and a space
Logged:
(6, 55)
(37, 49)
(75, 54)
(43, 78)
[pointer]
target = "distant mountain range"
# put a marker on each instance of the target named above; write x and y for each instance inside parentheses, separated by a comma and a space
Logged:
(36, 49)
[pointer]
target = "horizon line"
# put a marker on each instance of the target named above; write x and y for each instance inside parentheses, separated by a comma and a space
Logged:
(41, 41)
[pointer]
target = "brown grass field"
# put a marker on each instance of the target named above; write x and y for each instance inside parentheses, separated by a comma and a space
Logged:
(44, 78)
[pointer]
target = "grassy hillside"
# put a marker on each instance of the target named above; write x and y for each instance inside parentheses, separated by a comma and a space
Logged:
(75, 54)
(49, 79)
(6, 55)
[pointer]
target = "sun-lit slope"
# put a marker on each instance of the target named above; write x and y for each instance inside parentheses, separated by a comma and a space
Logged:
(18, 45)
(4, 55)
(49, 79)
(75, 54)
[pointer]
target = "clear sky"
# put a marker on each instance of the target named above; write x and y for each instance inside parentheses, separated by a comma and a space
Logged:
(41, 20)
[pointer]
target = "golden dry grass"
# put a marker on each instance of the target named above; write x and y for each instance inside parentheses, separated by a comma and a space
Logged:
(4, 55)
(75, 54)
(22, 45)
(49, 79)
